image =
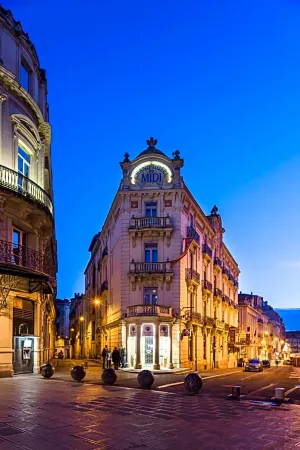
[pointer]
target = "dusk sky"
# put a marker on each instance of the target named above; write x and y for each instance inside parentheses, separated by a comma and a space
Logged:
(218, 80)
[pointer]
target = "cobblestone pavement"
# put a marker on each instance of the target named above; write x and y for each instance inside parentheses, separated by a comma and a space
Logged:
(45, 414)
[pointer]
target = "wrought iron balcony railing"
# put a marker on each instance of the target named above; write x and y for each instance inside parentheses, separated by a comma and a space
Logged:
(26, 258)
(193, 316)
(208, 321)
(104, 286)
(14, 181)
(150, 222)
(207, 285)
(207, 250)
(192, 275)
(192, 233)
(217, 262)
(226, 299)
(150, 267)
(149, 310)
(218, 292)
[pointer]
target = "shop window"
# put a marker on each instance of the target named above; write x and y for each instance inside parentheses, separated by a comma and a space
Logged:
(150, 296)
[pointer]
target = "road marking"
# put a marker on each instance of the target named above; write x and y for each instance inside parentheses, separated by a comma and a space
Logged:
(291, 390)
(203, 378)
(261, 389)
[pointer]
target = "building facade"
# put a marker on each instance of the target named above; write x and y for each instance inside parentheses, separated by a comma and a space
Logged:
(27, 236)
(293, 340)
(160, 281)
(62, 339)
(261, 329)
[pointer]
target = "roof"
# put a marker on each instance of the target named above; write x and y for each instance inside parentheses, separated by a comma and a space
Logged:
(151, 150)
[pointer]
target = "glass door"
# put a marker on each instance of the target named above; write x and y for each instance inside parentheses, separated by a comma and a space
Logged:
(23, 168)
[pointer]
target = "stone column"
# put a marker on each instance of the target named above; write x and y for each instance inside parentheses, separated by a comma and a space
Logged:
(171, 366)
(127, 348)
(6, 350)
(156, 365)
(138, 364)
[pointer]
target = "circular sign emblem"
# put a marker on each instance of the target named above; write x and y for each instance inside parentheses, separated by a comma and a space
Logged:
(151, 173)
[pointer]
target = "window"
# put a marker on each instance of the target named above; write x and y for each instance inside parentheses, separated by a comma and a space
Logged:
(204, 346)
(18, 240)
(150, 253)
(24, 77)
(23, 167)
(150, 296)
(93, 330)
(151, 209)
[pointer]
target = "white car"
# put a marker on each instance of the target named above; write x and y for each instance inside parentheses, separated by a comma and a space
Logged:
(254, 365)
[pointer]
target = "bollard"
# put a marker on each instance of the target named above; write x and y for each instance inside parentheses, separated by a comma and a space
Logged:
(47, 370)
(78, 373)
(109, 376)
(279, 394)
(192, 383)
(235, 392)
(145, 379)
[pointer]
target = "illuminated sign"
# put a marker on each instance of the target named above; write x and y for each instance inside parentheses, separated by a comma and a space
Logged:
(151, 172)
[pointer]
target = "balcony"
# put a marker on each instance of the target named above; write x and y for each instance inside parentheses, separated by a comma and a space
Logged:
(218, 293)
(104, 254)
(151, 227)
(208, 321)
(193, 316)
(225, 272)
(260, 321)
(18, 258)
(220, 324)
(206, 286)
(150, 271)
(217, 263)
(192, 277)
(192, 233)
(104, 287)
(207, 252)
(25, 188)
(226, 299)
(149, 310)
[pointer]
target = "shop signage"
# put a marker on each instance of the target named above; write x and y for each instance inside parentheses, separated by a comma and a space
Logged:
(151, 173)
(147, 330)
(164, 330)
(132, 331)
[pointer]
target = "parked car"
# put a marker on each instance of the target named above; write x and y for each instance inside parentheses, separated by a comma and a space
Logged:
(287, 362)
(266, 363)
(253, 365)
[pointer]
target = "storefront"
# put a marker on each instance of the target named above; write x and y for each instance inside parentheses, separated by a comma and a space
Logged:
(148, 345)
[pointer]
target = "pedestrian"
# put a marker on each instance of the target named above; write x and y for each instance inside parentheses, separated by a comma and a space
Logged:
(116, 358)
(123, 357)
(104, 356)
(277, 362)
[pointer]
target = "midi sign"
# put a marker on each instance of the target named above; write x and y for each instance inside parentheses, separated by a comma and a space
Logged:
(151, 173)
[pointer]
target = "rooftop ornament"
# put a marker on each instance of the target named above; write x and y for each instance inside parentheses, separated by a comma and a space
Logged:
(151, 142)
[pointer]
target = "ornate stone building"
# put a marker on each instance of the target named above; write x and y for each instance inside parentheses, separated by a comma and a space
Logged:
(160, 281)
(27, 237)
(261, 329)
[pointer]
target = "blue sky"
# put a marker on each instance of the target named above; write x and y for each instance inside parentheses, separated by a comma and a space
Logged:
(219, 80)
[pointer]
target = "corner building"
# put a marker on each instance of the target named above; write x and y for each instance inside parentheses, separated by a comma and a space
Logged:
(166, 281)
(27, 237)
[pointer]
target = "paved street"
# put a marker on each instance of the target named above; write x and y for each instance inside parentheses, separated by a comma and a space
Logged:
(217, 383)
(44, 414)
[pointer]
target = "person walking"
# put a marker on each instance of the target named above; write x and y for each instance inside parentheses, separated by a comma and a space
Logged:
(104, 355)
(123, 357)
(116, 357)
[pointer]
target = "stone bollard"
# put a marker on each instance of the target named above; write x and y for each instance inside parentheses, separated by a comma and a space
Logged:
(193, 383)
(47, 370)
(279, 394)
(235, 392)
(109, 376)
(145, 379)
(78, 373)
